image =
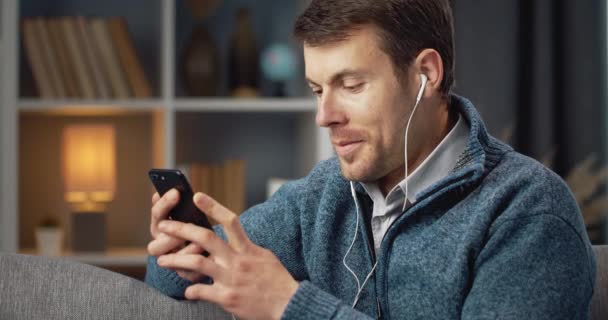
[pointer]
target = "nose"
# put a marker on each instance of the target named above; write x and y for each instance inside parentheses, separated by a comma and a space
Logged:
(328, 111)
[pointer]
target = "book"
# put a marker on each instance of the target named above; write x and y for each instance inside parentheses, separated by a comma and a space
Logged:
(224, 182)
(217, 183)
(49, 58)
(240, 194)
(204, 177)
(33, 51)
(86, 87)
(91, 58)
(110, 62)
(234, 185)
(66, 70)
(127, 54)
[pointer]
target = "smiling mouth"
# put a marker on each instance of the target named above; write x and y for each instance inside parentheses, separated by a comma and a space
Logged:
(346, 148)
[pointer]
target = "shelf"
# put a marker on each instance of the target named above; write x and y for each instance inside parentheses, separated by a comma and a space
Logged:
(113, 257)
(167, 129)
(71, 106)
(80, 106)
(246, 105)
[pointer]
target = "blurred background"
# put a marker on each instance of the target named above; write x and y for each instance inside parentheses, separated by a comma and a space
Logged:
(95, 93)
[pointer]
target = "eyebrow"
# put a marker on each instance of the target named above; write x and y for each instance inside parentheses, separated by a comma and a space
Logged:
(341, 75)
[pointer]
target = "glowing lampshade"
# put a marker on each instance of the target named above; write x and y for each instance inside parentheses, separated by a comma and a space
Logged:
(89, 163)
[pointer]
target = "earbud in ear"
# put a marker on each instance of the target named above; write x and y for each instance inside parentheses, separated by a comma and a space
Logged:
(423, 80)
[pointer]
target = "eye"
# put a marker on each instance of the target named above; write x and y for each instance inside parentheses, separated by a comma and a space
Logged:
(354, 88)
(317, 92)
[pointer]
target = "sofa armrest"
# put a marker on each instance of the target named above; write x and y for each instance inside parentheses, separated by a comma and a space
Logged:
(34, 287)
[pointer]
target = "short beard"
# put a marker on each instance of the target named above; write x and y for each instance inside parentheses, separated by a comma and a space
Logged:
(371, 175)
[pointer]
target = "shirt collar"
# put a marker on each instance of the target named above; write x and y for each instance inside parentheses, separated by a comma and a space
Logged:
(437, 165)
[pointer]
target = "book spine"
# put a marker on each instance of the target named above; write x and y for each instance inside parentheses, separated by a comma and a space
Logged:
(85, 84)
(33, 52)
(49, 58)
(110, 62)
(66, 69)
(92, 61)
(127, 54)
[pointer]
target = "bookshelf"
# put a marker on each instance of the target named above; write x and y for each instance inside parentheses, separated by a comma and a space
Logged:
(277, 137)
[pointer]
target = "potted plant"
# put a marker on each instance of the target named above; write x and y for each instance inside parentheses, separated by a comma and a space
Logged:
(49, 237)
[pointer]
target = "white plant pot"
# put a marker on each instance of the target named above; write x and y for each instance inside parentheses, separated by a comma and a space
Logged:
(49, 241)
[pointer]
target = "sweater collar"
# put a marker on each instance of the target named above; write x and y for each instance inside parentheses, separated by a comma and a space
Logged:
(481, 154)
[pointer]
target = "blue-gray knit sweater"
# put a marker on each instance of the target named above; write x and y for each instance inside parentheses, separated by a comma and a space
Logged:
(500, 237)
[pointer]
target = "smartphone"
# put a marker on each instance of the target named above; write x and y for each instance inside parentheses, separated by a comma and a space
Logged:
(185, 211)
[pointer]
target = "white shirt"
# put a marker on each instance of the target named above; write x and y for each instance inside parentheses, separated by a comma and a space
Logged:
(435, 167)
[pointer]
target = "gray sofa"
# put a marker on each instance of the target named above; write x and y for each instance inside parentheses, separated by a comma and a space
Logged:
(34, 287)
(42, 288)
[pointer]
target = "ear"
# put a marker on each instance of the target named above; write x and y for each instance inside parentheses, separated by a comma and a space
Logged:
(429, 62)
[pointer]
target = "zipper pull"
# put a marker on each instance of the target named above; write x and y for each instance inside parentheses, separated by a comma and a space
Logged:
(379, 310)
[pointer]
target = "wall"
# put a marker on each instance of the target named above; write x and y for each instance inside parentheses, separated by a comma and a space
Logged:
(487, 59)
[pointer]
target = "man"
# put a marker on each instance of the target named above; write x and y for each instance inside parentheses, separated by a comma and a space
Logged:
(465, 228)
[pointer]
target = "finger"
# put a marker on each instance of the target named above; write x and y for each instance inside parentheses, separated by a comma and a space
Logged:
(164, 244)
(203, 292)
(161, 209)
(192, 248)
(203, 237)
(237, 238)
(191, 262)
(155, 198)
(190, 275)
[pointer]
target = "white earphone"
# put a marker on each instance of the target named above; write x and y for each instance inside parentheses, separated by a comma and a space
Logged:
(423, 79)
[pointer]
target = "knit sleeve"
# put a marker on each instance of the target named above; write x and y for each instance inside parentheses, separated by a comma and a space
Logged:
(273, 225)
(310, 302)
(165, 280)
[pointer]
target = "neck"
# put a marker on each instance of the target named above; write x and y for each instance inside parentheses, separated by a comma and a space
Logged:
(444, 120)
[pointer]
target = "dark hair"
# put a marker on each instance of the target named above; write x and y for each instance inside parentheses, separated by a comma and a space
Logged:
(405, 28)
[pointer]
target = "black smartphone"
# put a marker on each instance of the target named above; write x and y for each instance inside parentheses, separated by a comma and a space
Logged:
(185, 211)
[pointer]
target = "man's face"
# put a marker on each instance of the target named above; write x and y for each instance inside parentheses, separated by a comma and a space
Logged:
(362, 103)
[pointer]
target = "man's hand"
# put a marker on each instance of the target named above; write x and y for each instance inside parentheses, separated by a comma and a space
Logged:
(248, 280)
(163, 243)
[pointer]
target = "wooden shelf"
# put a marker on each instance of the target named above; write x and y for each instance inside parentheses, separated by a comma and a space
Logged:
(84, 106)
(112, 257)
(246, 105)
(226, 104)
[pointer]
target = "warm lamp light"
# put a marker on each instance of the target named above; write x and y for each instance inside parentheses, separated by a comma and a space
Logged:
(89, 165)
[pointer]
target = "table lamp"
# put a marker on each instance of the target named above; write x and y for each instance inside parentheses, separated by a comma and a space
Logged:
(89, 172)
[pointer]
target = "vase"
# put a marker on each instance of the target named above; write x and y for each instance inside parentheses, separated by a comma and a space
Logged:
(49, 241)
(243, 57)
(200, 72)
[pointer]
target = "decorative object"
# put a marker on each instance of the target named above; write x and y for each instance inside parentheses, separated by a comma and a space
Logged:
(49, 237)
(586, 180)
(200, 61)
(278, 64)
(244, 57)
(89, 171)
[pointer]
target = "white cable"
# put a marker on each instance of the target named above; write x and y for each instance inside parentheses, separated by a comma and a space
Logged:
(423, 79)
(369, 275)
(352, 190)
(360, 286)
